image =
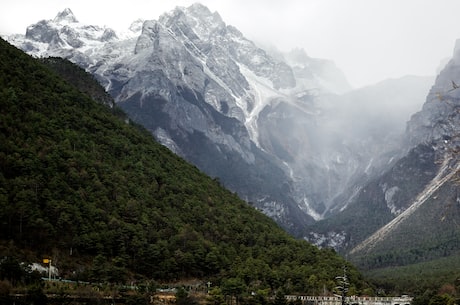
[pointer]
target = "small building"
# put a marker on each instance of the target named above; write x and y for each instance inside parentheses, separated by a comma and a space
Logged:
(352, 300)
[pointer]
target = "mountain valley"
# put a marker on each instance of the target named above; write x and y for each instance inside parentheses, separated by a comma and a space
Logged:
(370, 172)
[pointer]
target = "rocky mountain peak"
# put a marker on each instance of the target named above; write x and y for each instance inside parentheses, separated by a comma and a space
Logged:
(64, 32)
(199, 9)
(439, 120)
(65, 16)
(136, 26)
(196, 18)
(203, 13)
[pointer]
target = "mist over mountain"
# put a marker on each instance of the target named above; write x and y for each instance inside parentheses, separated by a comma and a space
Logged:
(408, 214)
(283, 131)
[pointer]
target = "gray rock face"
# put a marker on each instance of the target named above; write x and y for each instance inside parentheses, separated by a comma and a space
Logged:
(439, 121)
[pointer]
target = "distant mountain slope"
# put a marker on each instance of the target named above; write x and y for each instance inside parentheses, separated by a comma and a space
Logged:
(108, 203)
(367, 126)
(436, 127)
(409, 213)
(378, 202)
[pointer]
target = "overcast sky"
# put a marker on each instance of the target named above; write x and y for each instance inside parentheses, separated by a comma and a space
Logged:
(369, 40)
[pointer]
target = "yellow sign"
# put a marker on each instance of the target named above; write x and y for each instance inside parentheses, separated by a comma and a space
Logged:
(46, 261)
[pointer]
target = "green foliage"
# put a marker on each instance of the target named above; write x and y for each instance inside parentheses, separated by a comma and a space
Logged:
(5, 290)
(136, 300)
(417, 279)
(11, 270)
(36, 296)
(423, 298)
(431, 234)
(279, 298)
(423, 253)
(111, 204)
(215, 297)
(78, 77)
(183, 297)
(443, 299)
(16, 273)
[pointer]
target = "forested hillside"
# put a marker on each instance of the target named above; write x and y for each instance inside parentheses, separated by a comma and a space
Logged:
(107, 203)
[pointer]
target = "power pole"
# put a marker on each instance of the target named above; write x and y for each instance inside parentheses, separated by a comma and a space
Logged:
(343, 285)
(48, 261)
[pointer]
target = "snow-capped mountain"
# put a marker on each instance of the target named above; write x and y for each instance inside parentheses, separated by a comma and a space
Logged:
(268, 125)
(63, 33)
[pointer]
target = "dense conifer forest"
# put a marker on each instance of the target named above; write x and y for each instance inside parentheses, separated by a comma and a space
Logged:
(81, 184)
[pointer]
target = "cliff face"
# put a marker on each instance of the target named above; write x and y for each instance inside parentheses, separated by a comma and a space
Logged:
(438, 121)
